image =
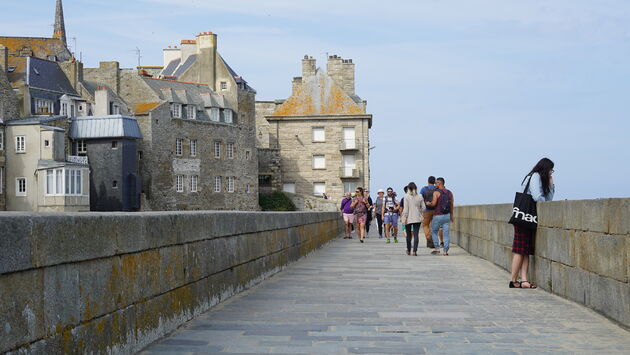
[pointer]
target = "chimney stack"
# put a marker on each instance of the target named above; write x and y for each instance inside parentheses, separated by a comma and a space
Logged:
(207, 58)
(171, 53)
(296, 84)
(4, 59)
(342, 72)
(101, 101)
(308, 67)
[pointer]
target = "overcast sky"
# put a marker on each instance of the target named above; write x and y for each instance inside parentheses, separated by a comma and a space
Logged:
(473, 90)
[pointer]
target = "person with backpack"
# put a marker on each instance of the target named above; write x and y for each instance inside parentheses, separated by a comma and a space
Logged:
(427, 214)
(368, 221)
(361, 206)
(347, 212)
(443, 216)
(539, 184)
(378, 211)
(390, 213)
(412, 216)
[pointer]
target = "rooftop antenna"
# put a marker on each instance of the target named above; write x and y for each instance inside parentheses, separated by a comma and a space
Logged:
(74, 48)
(138, 54)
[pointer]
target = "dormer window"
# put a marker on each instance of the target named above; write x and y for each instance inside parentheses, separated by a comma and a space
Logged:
(191, 112)
(176, 110)
(215, 114)
(227, 115)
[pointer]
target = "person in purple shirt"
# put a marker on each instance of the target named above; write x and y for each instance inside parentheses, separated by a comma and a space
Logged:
(347, 212)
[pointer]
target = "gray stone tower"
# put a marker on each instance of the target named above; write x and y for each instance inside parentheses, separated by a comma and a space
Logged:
(60, 27)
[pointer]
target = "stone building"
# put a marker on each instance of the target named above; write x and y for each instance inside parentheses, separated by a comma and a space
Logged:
(8, 112)
(321, 132)
(110, 144)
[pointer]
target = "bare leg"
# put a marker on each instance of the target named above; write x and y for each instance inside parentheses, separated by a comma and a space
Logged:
(517, 261)
(362, 231)
(524, 268)
(395, 231)
(387, 232)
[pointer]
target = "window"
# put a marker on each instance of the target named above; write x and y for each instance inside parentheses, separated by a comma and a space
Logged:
(1, 177)
(191, 112)
(116, 110)
(248, 188)
(20, 186)
(230, 151)
(230, 183)
(179, 183)
(1, 140)
(115, 184)
(114, 144)
(217, 149)
(319, 134)
(319, 162)
(46, 143)
(217, 184)
(349, 187)
(223, 85)
(227, 115)
(193, 147)
(289, 187)
(64, 109)
(139, 155)
(193, 183)
(64, 182)
(319, 188)
(20, 144)
(248, 154)
(81, 147)
(176, 110)
(215, 114)
(178, 146)
(44, 106)
(72, 113)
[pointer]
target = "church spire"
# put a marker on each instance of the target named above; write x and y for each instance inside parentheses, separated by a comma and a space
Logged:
(60, 27)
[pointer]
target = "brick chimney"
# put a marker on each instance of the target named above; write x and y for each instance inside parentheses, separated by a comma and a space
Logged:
(308, 67)
(207, 58)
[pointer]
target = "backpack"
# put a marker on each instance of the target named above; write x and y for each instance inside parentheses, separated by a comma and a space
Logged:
(390, 203)
(427, 194)
(444, 202)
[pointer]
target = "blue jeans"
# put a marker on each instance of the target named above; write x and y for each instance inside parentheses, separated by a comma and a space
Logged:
(444, 221)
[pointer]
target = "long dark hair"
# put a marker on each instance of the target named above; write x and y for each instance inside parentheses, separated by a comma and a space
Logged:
(543, 168)
(362, 191)
(412, 188)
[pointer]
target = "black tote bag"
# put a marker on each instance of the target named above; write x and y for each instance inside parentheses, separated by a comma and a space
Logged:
(524, 212)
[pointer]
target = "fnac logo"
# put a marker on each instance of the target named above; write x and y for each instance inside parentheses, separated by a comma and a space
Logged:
(524, 216)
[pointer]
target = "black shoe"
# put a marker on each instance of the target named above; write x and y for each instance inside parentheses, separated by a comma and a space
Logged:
(430, 244)
(442, 245)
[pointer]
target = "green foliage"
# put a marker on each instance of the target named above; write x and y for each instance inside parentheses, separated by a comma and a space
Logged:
(276, 201)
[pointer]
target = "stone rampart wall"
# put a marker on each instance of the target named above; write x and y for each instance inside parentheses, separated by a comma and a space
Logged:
(115, 282)
(582, 249)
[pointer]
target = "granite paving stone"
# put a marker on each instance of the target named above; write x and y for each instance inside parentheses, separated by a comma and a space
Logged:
(371, 298)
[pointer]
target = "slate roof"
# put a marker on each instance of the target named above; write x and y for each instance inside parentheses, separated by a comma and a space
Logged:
(185, 93)
(34, 120)
(38, 47)
(170, 68)
(47, 75)
(113, 126)
(187, 64)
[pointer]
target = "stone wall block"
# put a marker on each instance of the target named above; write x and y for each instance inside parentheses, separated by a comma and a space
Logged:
(618, 215)
(556, 244)
(171, 270)
(595, 215)
(559, 278)
(159, 229)
(612, 298)
(22, 315)
(603, 254)
(100, 288)
(61, 297)
(15, 244)
(540, 269)
(501, 213)
(573, 215)
(137, 276)
(551, 214)
(130, 225)
(578, 285)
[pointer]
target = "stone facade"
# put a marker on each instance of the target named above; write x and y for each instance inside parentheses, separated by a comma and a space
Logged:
(8, 111)
(321, 131)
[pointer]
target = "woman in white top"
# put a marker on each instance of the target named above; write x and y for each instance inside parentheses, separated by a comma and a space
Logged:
(541, 188)
(412, 216)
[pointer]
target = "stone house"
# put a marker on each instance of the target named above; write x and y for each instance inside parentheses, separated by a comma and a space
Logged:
(8, 111)
(321, 132)
(110, 144)
(41, 176)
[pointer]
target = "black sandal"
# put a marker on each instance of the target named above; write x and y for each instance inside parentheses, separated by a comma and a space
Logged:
(531, 285)
(513, 284)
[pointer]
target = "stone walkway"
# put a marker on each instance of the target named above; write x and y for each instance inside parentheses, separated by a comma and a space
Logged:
(353, 298)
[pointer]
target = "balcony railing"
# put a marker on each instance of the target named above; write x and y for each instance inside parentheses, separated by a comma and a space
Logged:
(349, 173)
(349, 144)
(77, 159)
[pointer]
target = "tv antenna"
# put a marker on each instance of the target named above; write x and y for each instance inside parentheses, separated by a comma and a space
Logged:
(138, 54)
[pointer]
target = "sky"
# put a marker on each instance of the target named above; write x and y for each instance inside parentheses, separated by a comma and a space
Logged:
(476, 91)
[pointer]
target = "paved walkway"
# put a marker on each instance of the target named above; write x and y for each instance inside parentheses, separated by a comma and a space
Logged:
(353, 298)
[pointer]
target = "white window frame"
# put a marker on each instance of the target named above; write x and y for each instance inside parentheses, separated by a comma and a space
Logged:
(176, 110)
(115, 109)
(319, 137)
(223, 85)
(217, 184)
(217, 149)
(49, 105)
(194, 182)
(215, 114)
(64, 182)
(231, 182)
(20, 144)
(191, 112)
(193, 147)
(319, 161)
(179, 147)
(227, 116)
(81, 146)
(1, 140)
(248, 188)
(64, 109)
(229, 150)
(179, 183)
(17, 186)
(248, 154)
(319, 183)
(286, 185)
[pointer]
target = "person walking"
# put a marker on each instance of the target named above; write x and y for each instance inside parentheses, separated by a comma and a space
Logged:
(361, 206)
(541, 188)
(443, 216)
(402, 205)
(368, 221)
(412, 216)
(347, 212)
(390, 214)
(378, 211)
(427, 214)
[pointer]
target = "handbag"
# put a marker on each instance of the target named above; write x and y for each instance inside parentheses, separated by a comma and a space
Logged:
(524, 213)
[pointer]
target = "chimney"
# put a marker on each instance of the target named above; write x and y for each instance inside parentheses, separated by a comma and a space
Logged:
(296, 84)
(308, 67)
(101, 101)
(188, 48)
(4, 58)
(207, 58)
(171, 54)
(342, 72)
(109, 74)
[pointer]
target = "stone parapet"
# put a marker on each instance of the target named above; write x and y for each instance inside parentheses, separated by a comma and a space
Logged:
(115, 282)
(582, 249)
